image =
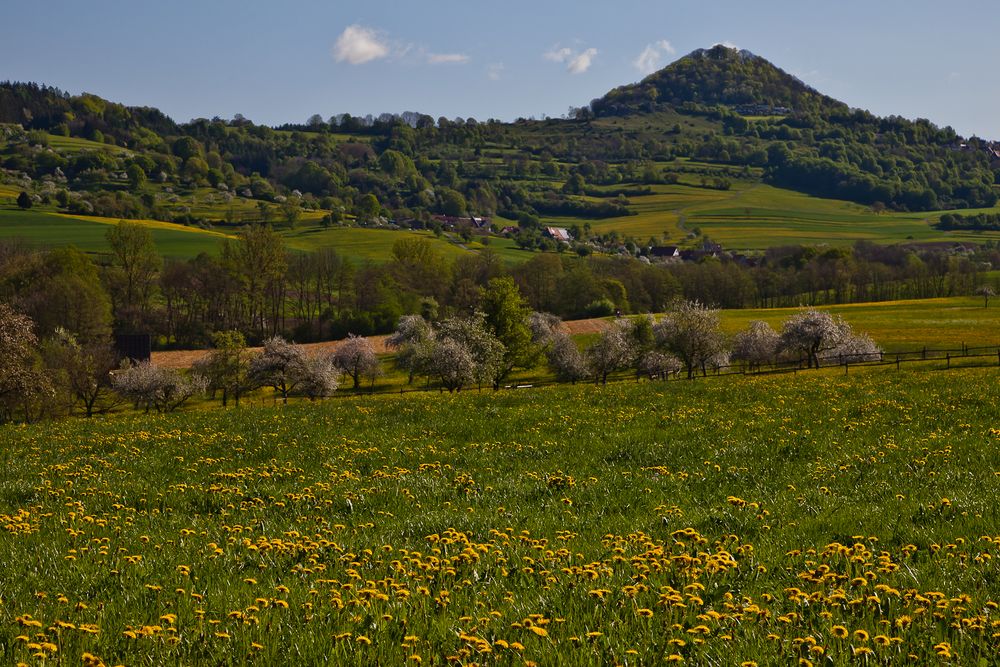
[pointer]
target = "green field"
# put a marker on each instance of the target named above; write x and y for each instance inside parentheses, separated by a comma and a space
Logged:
(841, 520)
(900, 325)
(753, 216)
(88, 234)
(361, 244)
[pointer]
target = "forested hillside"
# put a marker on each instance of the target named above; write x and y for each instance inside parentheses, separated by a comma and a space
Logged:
(719, 107)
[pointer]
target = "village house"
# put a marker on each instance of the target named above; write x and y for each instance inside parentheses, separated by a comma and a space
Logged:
(560, 234)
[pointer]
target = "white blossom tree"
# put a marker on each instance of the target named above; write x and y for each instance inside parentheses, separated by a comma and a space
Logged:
(356, 357)
(413, 341)
(23, 385)
(756, 345)
(565, 359)
(613, 351)
(986, 291)
(452, 363)
(154, 388)
(486, 352)
(314, 378)
(813, 333)
(290, 371)
(854, 349)
(657, 365)
(691, 331)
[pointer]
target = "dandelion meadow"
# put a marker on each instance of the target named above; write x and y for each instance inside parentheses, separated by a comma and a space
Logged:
(812, 519)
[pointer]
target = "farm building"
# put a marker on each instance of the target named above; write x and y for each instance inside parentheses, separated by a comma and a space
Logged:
(558, 234)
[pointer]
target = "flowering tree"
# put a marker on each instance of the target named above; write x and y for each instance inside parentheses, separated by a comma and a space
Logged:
(22, 382)
(756, 345)
(813, 333)
(565, 359)
(154, 388)
(692, 333)
(286, 367)
(314, 378)
(486, 352)
(986, 291)
(613, 351)
(543, 326)
(452, 363)
(853, 349)
(356, 357)
(657, 365)
(413, 341)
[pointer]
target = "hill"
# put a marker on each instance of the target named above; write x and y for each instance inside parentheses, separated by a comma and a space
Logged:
(719, 75)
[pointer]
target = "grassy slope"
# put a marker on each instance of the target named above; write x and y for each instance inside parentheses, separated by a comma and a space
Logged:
(623, 522)
(361, 244)
(754, 216)
(88, 233)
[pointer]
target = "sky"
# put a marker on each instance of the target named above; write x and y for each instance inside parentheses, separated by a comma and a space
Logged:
(278, 62)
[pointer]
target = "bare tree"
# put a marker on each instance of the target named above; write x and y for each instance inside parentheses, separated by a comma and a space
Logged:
(756, 345)
(692, 333)
(356, 357)
(84, 372)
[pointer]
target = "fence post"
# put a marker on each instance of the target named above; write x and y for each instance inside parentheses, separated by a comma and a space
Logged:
(925, 353)
(897, 362)
(948, 357)
(847, 367)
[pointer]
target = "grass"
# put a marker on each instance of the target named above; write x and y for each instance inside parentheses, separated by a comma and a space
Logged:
(753, 216)
(79, 145)
(716, 521)
(361, 244)
(901, 325)
(88, 233)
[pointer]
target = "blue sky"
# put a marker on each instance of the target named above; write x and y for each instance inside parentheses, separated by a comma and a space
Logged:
(282, 62)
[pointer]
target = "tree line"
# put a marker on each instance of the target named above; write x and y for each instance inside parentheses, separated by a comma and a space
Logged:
(62, 373)
(259, 288)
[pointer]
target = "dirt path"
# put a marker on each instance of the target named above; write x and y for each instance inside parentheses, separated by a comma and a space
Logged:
(186, 358)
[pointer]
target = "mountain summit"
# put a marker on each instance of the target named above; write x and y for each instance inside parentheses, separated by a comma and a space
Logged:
(719, 75)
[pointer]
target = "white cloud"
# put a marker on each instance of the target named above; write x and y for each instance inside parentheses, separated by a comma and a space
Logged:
(581, 62)
(495, 71)
(558, 55)
(358, 45)
(650, 58)
(577, 62)
(447, 58)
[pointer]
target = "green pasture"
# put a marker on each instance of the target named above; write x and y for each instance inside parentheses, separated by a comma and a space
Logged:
(88, 234)
(900, 325)
(716, 522)
(361, 244)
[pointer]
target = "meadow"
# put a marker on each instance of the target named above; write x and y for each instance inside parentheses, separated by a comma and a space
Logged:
(44, 228)
(759, 520)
